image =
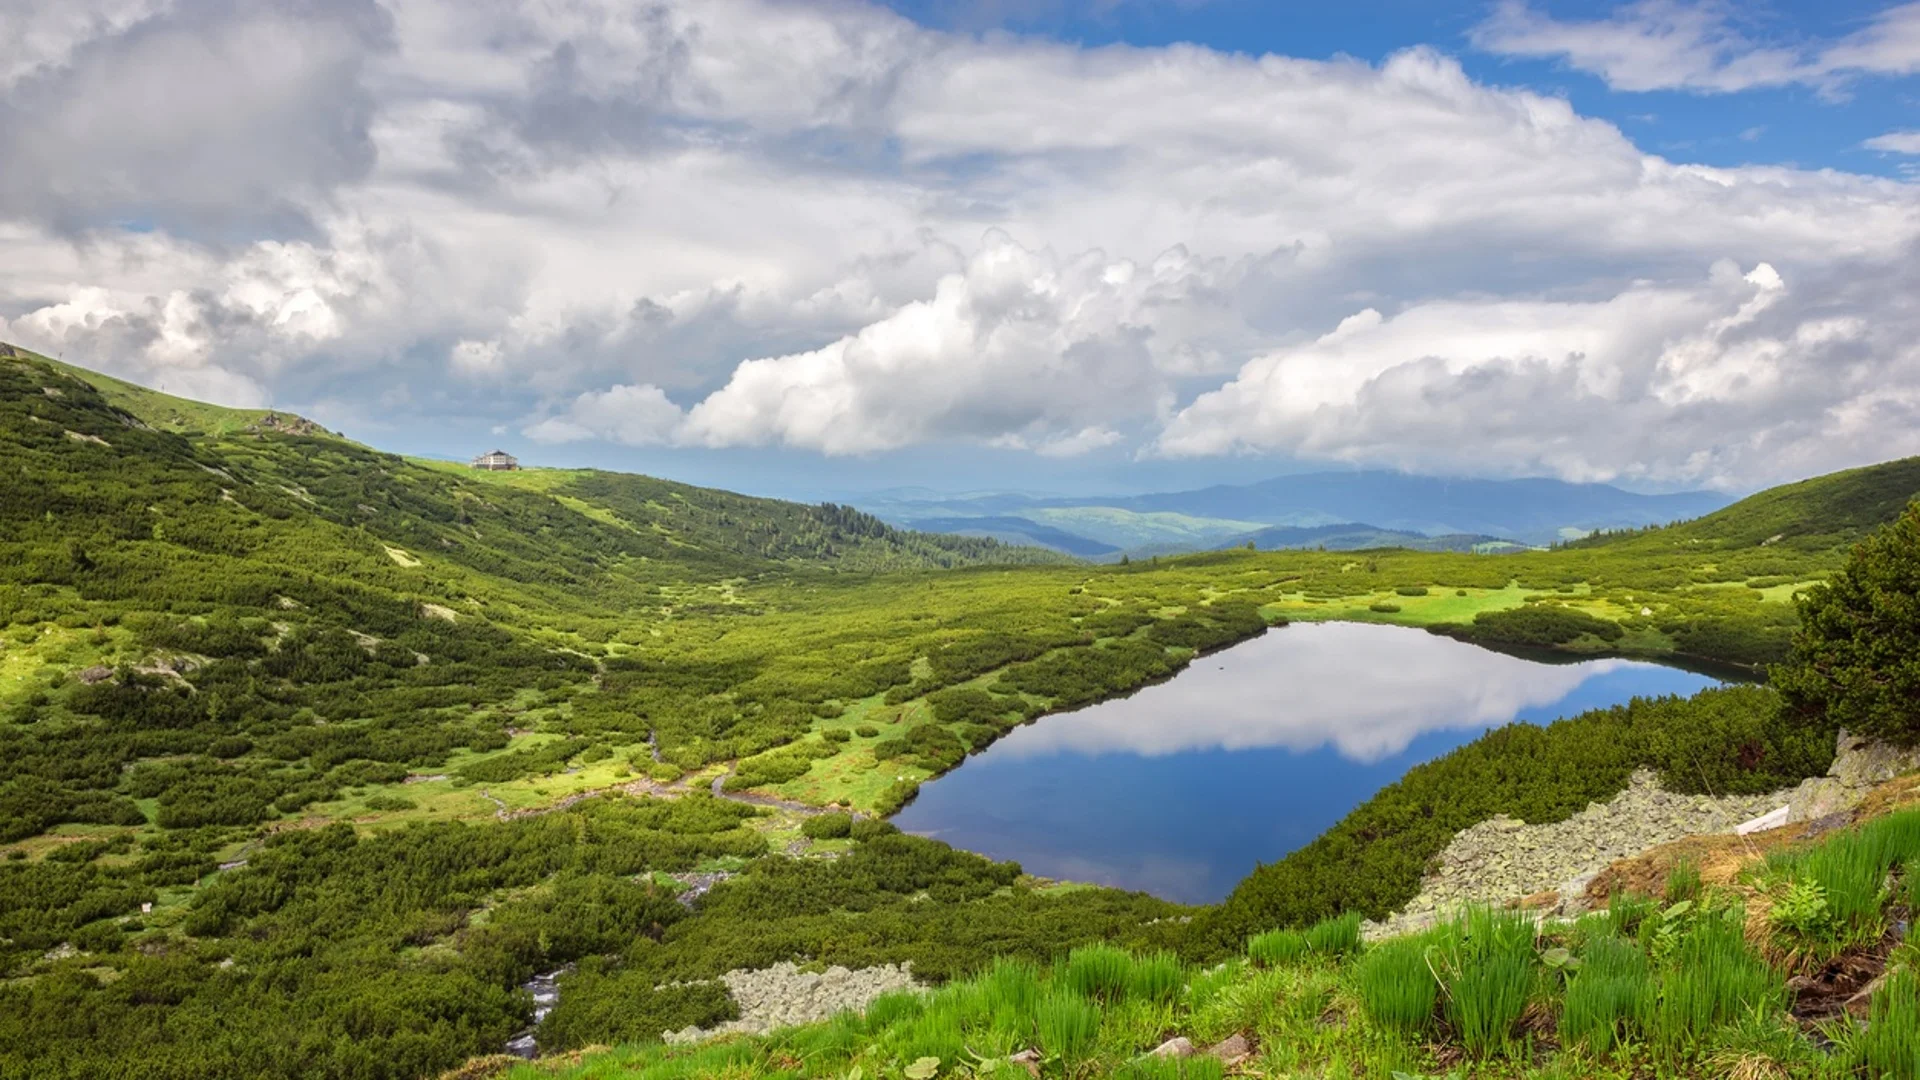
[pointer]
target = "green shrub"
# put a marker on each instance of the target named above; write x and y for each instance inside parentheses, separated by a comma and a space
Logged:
(1413, 590)
(837, 735)
(1396, 984)
(1383, 607)
(1539, 625)
(867, 731)
(1856, 656)
(1277, 948)
(827, 826)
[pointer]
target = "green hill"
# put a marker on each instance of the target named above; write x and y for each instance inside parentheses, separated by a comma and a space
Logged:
(336, 714)
(1818, 515)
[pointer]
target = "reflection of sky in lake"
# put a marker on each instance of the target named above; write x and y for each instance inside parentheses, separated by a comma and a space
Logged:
(1248, 754)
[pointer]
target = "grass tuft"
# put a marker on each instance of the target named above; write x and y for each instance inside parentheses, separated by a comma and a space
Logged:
(1606, 997)
(1277, 948)
(1067, 1025)
(1890, 1046)
(1336, 936)
(1397, 986)
(1098, 972)
(1490, 974)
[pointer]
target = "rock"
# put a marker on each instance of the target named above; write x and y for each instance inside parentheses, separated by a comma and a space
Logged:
(1772, 819)
(1030, 1060)
(1232, 1050)
(1177, 1047)
(98, 673)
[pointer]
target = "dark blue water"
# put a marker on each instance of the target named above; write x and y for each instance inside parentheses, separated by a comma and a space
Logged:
(1181, 789)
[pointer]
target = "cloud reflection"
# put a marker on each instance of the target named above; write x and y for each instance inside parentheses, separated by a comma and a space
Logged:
(1367, 691)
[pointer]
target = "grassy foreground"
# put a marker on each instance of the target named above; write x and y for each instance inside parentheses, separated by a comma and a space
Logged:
(1754, 979)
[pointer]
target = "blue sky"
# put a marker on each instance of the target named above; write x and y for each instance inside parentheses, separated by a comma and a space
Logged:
(811, 247)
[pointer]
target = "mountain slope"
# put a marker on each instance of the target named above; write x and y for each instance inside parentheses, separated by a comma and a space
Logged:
(1823, 513)
(532, 525)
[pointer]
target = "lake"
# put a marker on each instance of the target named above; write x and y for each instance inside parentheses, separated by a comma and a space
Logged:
(1182, 788)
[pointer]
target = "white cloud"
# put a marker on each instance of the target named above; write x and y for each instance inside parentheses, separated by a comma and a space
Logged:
(633, 415)
(569, 217)
(1730, 379)
(1895, 142)
(1699, 45)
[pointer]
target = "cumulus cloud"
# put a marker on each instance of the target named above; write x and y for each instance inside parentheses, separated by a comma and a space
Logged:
(215, 114)
(827, 228)
(1699, 45)
(634, 415)
(1727, 379)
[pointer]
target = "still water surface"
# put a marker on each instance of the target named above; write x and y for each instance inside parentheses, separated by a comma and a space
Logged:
(1251, 752)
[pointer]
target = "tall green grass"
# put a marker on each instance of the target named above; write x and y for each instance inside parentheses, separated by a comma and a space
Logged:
(1890, 1046)
(1627, 911)
(1707, 977)
(1606, 997)
(1490, 973)
(1098, 971)
(1067, 1025)
(1277, 948)
(1336, 936)
(1397, 986)
(1683, 881)
(1156, 976)
(1166, 1068)
(1851, 871)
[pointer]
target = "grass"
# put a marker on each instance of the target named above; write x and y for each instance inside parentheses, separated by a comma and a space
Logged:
(1490, 972)
(1606, 997)
(1336, 936)
(1277, 948)
(1067, 1024)
(1707, 978)
(1396, 984)
(1833, 895)
(1890, 1046)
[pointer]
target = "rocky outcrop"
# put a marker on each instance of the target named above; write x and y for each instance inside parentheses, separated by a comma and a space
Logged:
(784, 995)
(1503, 859)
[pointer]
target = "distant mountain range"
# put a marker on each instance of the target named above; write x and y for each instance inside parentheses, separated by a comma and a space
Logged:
(1336, 510)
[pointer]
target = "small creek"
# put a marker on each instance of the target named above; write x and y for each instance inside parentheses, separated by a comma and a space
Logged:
(546, 992)
(1183, 788)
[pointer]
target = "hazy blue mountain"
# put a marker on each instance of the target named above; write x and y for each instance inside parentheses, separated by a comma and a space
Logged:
(1013, 530)
(1355, 536)
(1534, 511)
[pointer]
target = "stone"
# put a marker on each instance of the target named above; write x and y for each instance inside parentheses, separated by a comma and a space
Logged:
(1177, 1047)
(1232, 1050)
(98, 673)
(1772, 819)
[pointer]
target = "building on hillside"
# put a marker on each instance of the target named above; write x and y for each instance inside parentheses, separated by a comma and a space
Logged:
(496, 461)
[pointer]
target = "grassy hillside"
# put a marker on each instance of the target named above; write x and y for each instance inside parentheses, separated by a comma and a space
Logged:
(333, 712)
(1818, 515)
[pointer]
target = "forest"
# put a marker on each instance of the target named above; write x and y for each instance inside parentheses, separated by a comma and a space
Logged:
(297, 738)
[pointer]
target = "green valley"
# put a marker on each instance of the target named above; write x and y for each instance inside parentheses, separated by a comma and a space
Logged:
(313, 755)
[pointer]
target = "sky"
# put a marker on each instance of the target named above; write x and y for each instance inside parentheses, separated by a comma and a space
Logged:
(815, 247)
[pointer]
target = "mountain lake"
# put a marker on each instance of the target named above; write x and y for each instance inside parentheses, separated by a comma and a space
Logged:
(1182, 788)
